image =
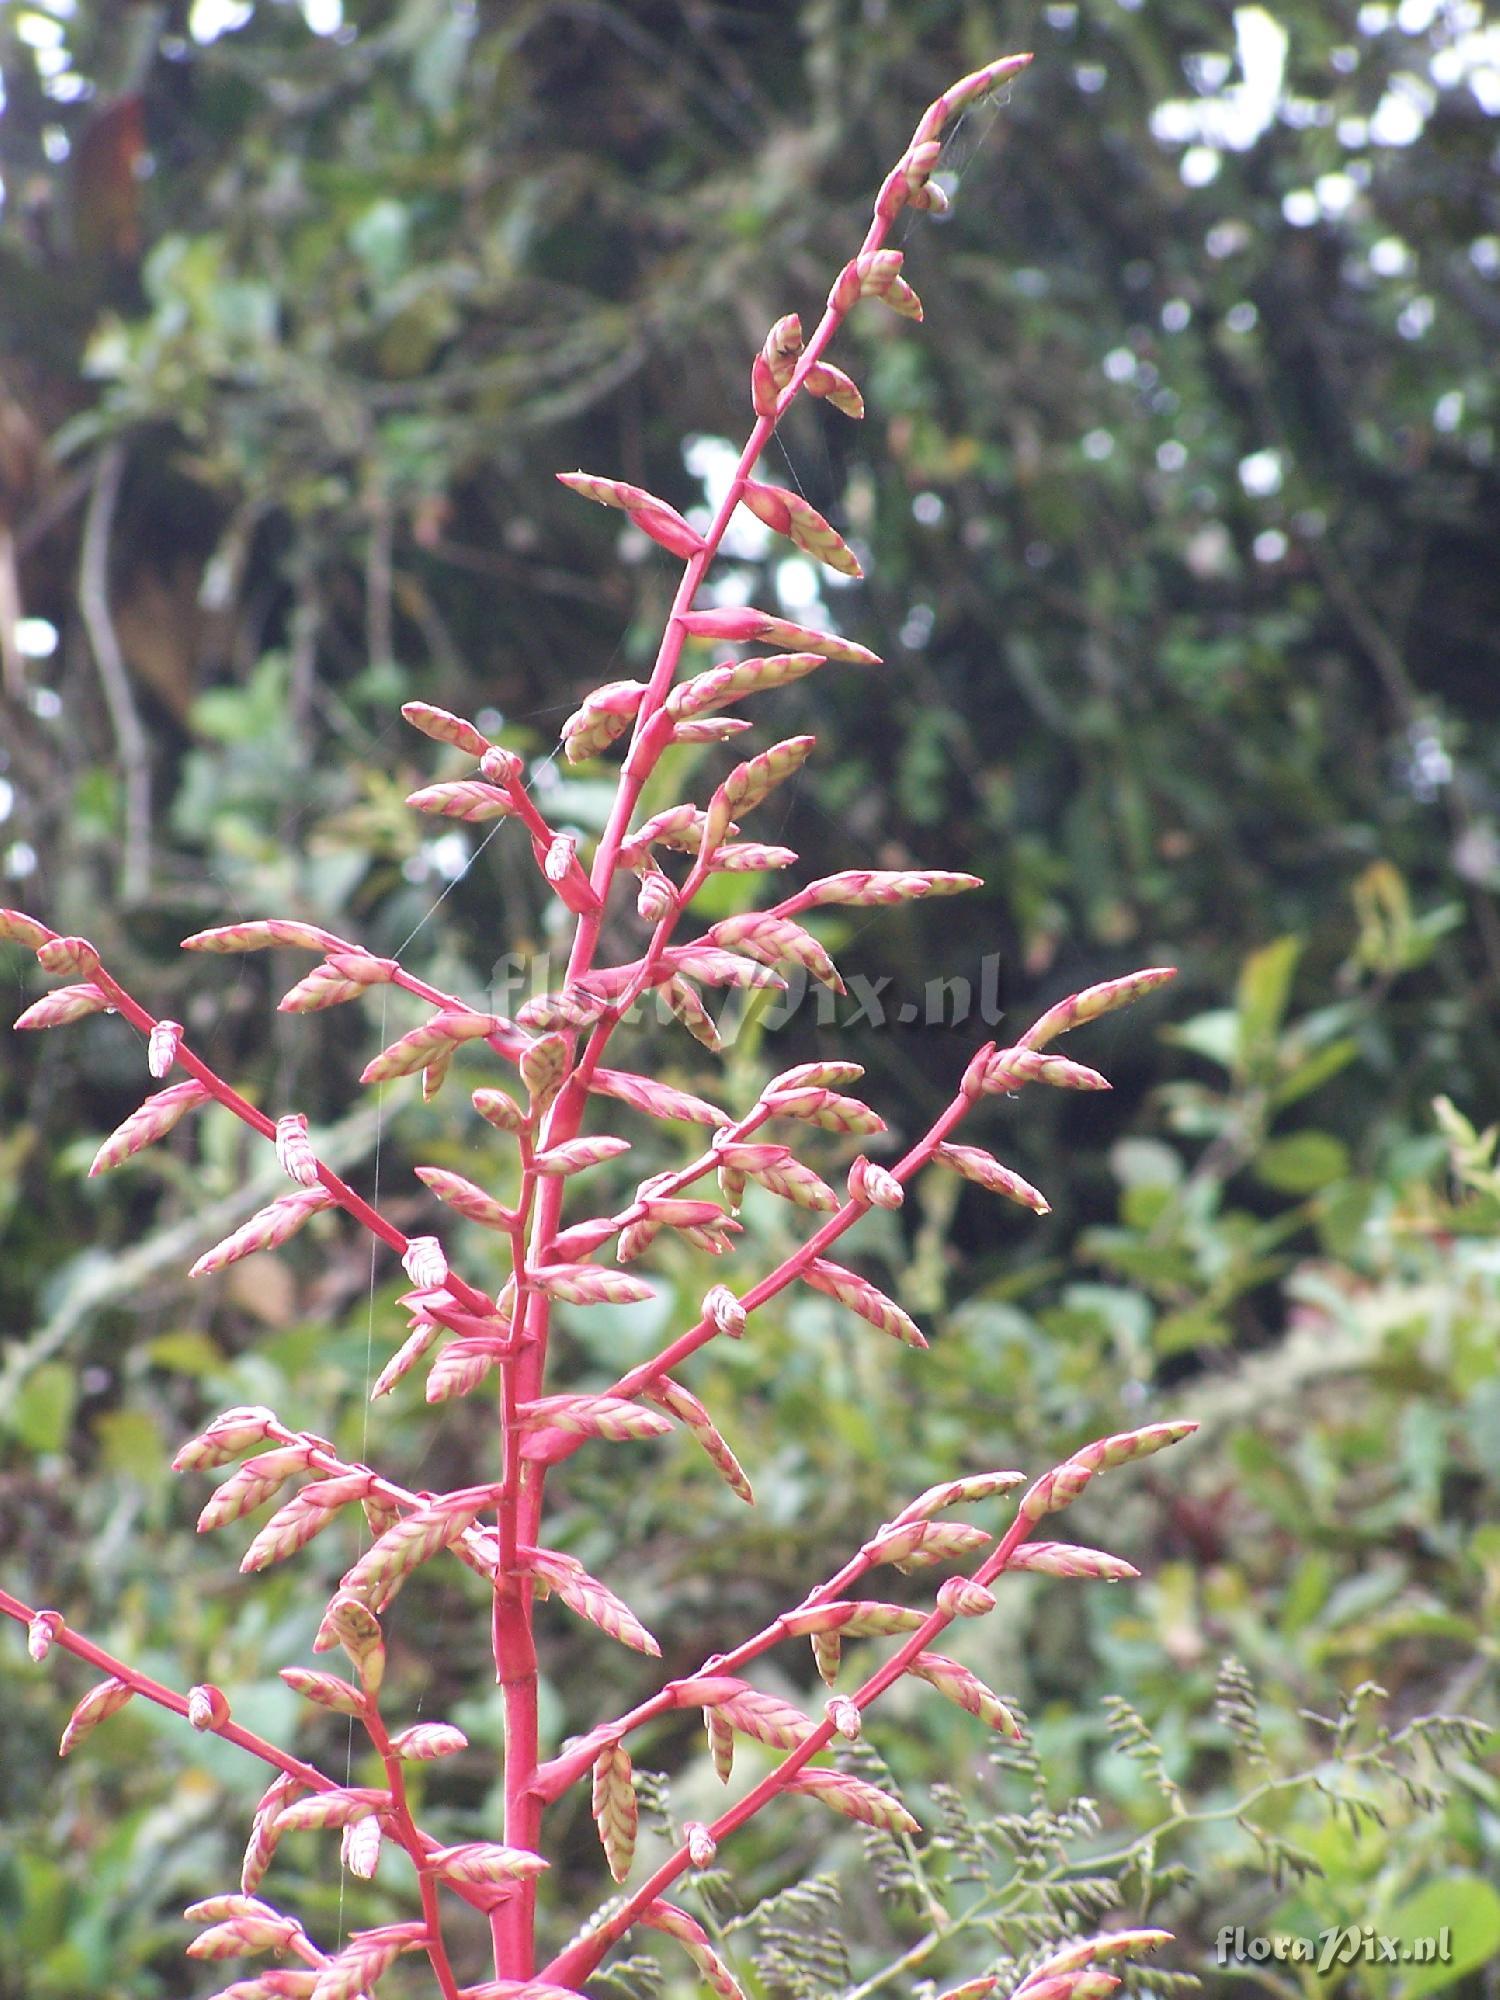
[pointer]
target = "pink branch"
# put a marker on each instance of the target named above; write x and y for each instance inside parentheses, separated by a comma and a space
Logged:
(224, 1094)
(416, 1845)
(581, 1958)
(165, 1697)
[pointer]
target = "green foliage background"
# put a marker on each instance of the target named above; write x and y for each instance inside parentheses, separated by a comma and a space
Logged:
(1180, 516)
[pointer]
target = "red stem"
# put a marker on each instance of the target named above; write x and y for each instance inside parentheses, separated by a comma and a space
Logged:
(69, 1641)
(575, 1964)
(662, 1363)
(415, 1845)
(165, 1697)
(514, 1928)
(222, 1093)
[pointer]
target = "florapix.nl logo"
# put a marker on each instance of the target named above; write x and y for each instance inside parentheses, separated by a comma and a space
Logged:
(867, 1002)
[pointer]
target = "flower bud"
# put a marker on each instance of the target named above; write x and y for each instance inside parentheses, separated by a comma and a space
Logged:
(424, 1262)
(499, 1109)
(294, 1150)
(763, 390)
(359, 1847)
(932, 196)
(782, 346)
(501, 767)
(723, 1310)
(656, 896)
(561, 856)
(161, 1049)
(962, 1597)
(701, 1845)
(1013, 1066)
(845, 1717)
(67, 954)
(876, 1185)
(919, 163)
(208, 1707)
(40, 1633)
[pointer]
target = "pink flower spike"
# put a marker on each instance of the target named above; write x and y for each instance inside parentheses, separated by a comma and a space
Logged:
(320, 988)
(467, 800)
(262, 933)
(652, 516)
(863, 1298)
(1070, 1559)
(434, 1039)
(711, 729)
(267, 1229)
(788, 514)
(590, 1284)
(743, 624)
(574, 1007)
(968, 90)
(363, 968)
(917, 166)
(879, 886)
(359, 1848)
(405, 1358)
(657, 1100)
(583, 1239)
(445, 728)
(975, 1164)
(502, 767)
(100, 1702)
(17, 928)
(603, 716)
(875, 275)
(1023, 1065)
(1076, 1955)
(1094, 1001)
(67, 1004)
(148, 1123)
(835, 387)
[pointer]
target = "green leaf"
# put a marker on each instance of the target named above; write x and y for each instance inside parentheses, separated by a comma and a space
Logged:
(1312, 1071)
(186, 1352)
(1302, 1163)
(1215, 1035)
(1145, 1163)
(1265, 986)
(380, 239)
(1461, 1911)
(130, 1443)
(1184, 1332)
(1307, 1592)
(1142, 1207)
(41, 1412)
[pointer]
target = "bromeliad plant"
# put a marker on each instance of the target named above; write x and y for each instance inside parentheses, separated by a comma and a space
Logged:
(556, 1052)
